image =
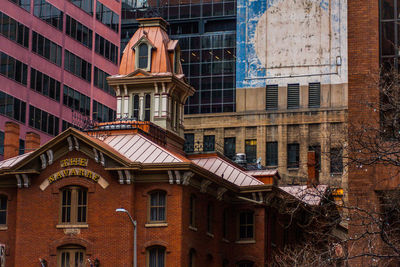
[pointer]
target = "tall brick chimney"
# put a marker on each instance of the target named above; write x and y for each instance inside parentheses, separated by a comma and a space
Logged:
(313, 173)
(11, 140)
(32, 141)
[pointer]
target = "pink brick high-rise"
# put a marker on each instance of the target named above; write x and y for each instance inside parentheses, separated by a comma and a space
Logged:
(55, 56)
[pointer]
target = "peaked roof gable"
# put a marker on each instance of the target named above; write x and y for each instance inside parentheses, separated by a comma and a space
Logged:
(143, 39)
(19, 162)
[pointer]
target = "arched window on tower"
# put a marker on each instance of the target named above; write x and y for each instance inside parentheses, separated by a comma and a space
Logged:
(143, 56)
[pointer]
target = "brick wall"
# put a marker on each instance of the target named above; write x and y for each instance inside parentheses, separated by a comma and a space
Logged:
(363, 45)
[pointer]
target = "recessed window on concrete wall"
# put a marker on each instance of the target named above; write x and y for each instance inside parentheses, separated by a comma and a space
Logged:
(317, 150)
(272, 154)
(209, 143)
(293, 96)
(293, 155)
(230, 147)
(272, 97)
(189, 143)
(336, 160)
(314, 95)
(251, 150)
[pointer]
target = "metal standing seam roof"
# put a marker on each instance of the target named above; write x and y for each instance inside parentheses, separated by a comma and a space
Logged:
(140, 149)
(12, 161)
(309, 195)
(227, 171)
(268, 172)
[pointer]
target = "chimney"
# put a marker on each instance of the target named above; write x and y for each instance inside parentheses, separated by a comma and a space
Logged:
(32, 141)
(313, 173)
(11, 140)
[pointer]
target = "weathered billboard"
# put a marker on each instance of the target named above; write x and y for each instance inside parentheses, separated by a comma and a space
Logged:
(284, 41)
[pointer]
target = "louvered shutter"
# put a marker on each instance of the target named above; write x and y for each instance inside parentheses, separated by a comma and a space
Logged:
(272, 97)
(293, 97)
(314, 94)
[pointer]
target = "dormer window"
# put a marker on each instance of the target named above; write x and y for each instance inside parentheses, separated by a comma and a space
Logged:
(143, 56)
(143, 48)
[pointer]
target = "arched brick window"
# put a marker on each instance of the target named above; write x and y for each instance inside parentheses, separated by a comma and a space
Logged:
(71, 255)
(156, 256)
(245, 264)
(192, 258)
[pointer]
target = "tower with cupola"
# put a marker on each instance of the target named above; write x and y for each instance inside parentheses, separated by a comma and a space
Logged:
(150, 85)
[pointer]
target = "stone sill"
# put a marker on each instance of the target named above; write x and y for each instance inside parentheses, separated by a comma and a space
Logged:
(210, 235)
(192, 228)
(70, 226)
(225, 240)
(153, 225)
(3, 227)
(252, 241)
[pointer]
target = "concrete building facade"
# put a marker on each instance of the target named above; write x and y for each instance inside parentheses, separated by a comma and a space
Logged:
(55, 56)
(291, 89)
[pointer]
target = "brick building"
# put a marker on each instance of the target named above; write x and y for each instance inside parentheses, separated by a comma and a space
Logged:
(199, 209)
(55, 57)
(373, 42)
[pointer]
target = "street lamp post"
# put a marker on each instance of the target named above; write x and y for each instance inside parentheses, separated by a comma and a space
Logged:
(134, 234)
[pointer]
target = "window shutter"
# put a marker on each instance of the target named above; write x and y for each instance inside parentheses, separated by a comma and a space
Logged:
(293, 97)
(272, 97)
(314, 94)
